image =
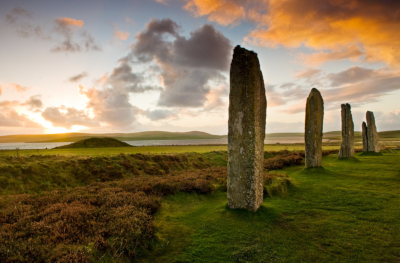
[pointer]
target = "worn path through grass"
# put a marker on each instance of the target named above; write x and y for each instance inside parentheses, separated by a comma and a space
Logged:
(347, 211)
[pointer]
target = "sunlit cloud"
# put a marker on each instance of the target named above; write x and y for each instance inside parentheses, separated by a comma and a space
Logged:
(33, 103)
(352, 52)
(224, 12)
(78, 77)
(343, 29)
(18, 87)
(334, 25)
(9, 117)
(119, 34)
(66, 21)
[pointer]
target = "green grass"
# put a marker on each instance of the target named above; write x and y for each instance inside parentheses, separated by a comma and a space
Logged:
(347, 211)
(153, 149)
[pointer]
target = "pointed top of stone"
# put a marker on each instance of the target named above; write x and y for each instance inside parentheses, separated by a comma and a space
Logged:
(238, 50)
(346, 105)
(314, 92)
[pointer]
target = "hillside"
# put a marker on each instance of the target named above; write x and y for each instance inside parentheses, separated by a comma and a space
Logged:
(96, 143)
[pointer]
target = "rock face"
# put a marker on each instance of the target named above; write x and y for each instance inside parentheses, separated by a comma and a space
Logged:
(313, 128)
(372, 134)
(365, 137)
(347, 147)
(247, 116)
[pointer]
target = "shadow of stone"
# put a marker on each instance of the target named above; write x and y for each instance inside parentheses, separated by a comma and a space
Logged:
(264, 212)
(350, 159)
(316, 171)
(371, 154)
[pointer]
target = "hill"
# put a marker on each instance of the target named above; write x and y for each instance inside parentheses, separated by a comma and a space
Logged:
(96, 143)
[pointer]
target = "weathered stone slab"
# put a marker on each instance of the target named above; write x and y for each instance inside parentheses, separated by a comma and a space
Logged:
(313, 128)
(247, 116)
(365, 137)
(372, 134)
(347, 147)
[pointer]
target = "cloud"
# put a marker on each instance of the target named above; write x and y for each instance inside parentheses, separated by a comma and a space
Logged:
(124, 78)
(111, 106)
(187, 65)
(17, 12)
(34, 102)
(78, 77)
(65, 27)
(355, 85)
(389, 121)
(66, 32)
(65, 22)
(1, 90)
(351, 75)
(316, 59)
(130, 21)
(67, 117)
(18, 87)
(160, 114)
(164, 2)
(344, 29)
(307, 73)
(9, 117)
(119, 34)
(224, 12)
(333, 25)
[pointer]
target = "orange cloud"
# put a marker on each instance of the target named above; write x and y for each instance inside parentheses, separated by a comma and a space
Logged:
(18, 88)
(333, 25)
(338, 26)
(121, 34)
(69, 21)
(1, 91)
(224, 12)
(351, 52)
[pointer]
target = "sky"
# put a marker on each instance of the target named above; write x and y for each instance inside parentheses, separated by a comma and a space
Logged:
(145, 65)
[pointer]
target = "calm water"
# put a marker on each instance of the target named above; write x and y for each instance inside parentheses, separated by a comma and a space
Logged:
(281, 140)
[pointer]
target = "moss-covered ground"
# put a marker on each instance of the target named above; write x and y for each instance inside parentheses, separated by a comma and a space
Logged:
(348, 211)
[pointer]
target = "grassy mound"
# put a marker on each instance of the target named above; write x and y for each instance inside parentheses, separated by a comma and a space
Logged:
(96, 143)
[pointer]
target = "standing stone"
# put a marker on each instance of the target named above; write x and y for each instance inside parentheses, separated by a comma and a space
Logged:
(347, 147)
(247, 115)
(365, 137)
(372, 134)
(313, 128)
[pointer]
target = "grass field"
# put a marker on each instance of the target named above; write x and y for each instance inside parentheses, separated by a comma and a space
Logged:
(153, 149)
(347, 211)
(169, 205)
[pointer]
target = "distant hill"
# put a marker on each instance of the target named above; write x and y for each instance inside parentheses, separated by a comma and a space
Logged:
(96, 143)
(74, 137)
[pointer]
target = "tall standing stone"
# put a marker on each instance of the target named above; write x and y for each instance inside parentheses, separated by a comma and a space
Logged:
(247, 116)
(365, 137)
(347, 147)
(313, 128)
(372, 134)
